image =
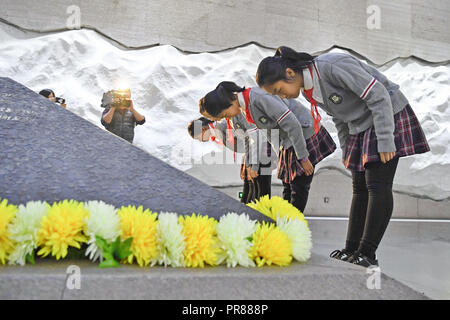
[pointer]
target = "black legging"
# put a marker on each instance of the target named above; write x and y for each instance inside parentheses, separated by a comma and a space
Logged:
(297, 191)
(245, 190)
(371, 207)
(260, 186)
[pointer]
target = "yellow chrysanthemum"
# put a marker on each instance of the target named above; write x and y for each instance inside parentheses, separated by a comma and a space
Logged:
(271, 246)
(201, 241)
(141, 226)
(7, 213)
(277, 206)
(62, 227)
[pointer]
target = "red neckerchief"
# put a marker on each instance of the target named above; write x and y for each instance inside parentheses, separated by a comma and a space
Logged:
(213, 138)
(231, 137)
(246, 95)
(314, 112)
(230, 132)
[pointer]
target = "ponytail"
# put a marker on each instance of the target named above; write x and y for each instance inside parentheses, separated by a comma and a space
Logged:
(229, 87)
(290, 54)
(273, 69)
(220, 98)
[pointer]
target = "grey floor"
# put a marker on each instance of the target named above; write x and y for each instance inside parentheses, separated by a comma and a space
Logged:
(414, 252)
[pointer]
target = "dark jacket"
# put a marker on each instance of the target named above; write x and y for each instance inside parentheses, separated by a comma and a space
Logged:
(122, 125)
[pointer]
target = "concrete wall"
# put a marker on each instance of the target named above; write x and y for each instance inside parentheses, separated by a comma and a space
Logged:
(408, 27)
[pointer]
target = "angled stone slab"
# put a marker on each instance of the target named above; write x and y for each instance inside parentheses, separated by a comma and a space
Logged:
(49, 153)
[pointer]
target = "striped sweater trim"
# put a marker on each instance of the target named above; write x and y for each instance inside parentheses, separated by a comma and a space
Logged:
(283, 116)
(368, 88)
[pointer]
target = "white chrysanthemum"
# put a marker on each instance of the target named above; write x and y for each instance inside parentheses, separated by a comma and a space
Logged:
(171, 243)
(102, 221)
(24, 228)
(300, 236)
(234, 231)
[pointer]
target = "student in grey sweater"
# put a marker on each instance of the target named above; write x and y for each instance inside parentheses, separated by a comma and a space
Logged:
(234, 136)
(300, 149)
(375, 125)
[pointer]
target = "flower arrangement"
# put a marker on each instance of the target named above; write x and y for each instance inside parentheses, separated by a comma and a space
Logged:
(131, 234)
(7, 213)
(62, 227)
(277, 206)
(201, 240)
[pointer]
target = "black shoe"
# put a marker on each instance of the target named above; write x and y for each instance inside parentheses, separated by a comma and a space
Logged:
(362, 260)
(342, 255)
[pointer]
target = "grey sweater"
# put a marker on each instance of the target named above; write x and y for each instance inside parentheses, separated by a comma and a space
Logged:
(358, 96)
(292, 119)
(248, 139)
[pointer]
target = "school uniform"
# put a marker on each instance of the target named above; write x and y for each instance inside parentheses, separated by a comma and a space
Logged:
(240, 136)
(371, 115)
(297, 139)
(259, 156)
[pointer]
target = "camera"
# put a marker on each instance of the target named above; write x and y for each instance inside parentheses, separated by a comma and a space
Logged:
(60, 100)
(117, 99)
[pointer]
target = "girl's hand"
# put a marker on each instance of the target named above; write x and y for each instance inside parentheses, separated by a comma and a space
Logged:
(243, 174)
(251, 174)
(386, 156)
(308, 167)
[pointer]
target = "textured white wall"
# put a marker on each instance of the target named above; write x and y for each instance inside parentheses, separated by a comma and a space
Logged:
(408, 27)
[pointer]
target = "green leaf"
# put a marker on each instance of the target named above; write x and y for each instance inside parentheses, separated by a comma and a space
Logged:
(30, 258)
(101, 243)
(115, 246)
(110, 263)
(107, 255)
(249, 239)
(124, 249)
(113, 251)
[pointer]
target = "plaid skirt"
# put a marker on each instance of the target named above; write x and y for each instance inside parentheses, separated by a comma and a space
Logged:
(409, 139)
(319, 147)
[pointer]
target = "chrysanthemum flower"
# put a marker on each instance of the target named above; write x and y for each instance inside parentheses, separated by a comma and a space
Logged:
(201, 240)
(271, 246)
(277, 206)
(141, 226)
(24, 228)
(7, 212)
(102, 221)
(300, 236)
(171, 244)
(234, 232)
(62, 227)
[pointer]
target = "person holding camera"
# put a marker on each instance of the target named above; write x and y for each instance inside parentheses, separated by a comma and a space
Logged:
(119, 116)
(48, 93)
